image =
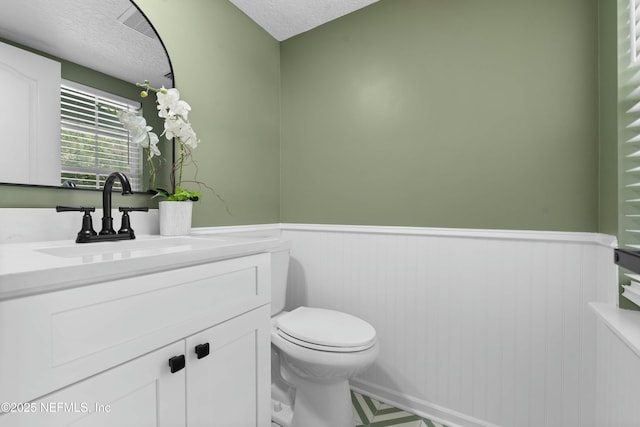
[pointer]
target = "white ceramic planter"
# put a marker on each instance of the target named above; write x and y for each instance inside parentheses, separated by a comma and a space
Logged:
(175, 218)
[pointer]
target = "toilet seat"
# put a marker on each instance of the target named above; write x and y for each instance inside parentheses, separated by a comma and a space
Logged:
(326, 330)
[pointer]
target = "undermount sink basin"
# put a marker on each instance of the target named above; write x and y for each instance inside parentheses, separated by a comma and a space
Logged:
(131, 248)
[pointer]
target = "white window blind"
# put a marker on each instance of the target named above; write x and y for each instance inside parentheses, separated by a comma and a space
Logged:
(634, 17)
(93, 142)
(630, 153)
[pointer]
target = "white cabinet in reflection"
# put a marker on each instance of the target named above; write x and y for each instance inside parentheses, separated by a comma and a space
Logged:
(29, 117)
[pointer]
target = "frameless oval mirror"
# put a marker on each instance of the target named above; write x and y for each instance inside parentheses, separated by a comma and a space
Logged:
(107, 45)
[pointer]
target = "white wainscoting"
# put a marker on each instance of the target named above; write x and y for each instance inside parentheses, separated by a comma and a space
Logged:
(477, 327)
(617, 366)
(618, 381)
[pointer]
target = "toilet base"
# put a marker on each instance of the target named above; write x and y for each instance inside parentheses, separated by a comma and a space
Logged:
(322, 405)
(281, 413)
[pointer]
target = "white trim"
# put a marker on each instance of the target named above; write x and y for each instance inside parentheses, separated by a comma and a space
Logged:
(552, 236)
(274, 229)
(625, 324)
(270, 229)
(605, 240)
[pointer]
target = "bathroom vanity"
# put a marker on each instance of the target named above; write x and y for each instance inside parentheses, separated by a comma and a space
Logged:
(151, 332)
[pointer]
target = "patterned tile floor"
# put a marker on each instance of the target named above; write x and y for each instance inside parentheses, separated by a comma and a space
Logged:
(369, 412)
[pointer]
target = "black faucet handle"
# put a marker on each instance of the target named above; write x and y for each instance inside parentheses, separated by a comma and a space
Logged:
(125, 227)
(87, 223)
(127, 209)
(84, 209)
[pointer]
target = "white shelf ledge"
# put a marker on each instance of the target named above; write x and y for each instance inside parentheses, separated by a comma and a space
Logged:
(624, 323)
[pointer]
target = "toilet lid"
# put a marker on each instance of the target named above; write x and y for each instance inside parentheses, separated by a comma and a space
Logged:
(327, 330)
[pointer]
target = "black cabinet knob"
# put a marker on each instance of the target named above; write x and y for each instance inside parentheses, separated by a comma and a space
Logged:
(202, 350)
(177, 363)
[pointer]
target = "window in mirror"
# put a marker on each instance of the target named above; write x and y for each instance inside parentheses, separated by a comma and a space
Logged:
(93, 142)
(629, 233)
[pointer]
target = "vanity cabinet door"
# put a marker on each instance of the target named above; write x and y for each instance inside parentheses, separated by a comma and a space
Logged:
(140, 393)
(228, 373)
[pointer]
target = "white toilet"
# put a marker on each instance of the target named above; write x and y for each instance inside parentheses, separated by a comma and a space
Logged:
(314, 353)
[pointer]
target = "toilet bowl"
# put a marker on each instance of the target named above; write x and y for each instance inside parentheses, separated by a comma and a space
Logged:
(315, 352)
(319, 368)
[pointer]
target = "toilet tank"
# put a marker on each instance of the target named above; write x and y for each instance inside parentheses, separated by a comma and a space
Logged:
(279, 272)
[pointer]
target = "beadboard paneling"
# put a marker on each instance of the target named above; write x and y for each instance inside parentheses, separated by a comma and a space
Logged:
(618, 381)
(477, 328)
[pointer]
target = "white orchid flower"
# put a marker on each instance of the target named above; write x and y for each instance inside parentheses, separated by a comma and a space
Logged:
(167, 99)
(127, 119)
(153, 138)
(141, 139)
(134, 123)
(188, 136)
(181, 108)
(163, 112)
(172, 127)
(139, 131)
(175, 113)
(153, 148)
(154, 151)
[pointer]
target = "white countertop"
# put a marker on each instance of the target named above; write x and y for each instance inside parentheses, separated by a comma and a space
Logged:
(35, 267)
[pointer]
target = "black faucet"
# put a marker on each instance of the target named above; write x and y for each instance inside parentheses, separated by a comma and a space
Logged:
(107, 219)
(87, 233)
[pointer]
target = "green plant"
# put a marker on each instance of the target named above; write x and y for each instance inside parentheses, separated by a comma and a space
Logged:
(180, 195)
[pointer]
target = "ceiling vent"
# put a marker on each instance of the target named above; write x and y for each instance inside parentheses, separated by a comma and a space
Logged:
(135, 20)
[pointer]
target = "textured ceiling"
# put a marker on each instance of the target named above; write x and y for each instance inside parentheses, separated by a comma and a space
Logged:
(286, 18)
(89, 33)
(92, 33)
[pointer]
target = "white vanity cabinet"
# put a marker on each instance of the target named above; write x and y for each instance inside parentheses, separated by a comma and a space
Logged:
(228, 387)
(142, 392)
(99, 354)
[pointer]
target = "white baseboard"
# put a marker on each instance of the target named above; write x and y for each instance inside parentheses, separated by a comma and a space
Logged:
(417, 406)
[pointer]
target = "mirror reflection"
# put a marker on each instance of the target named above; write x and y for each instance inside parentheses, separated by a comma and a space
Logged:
(66, 67)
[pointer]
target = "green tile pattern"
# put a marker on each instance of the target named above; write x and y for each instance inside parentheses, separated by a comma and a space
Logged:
(369, 412)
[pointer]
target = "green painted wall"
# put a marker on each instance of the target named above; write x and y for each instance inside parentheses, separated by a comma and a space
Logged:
(608, 116)
(445, 114)
(408, 112)
(228, 69)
